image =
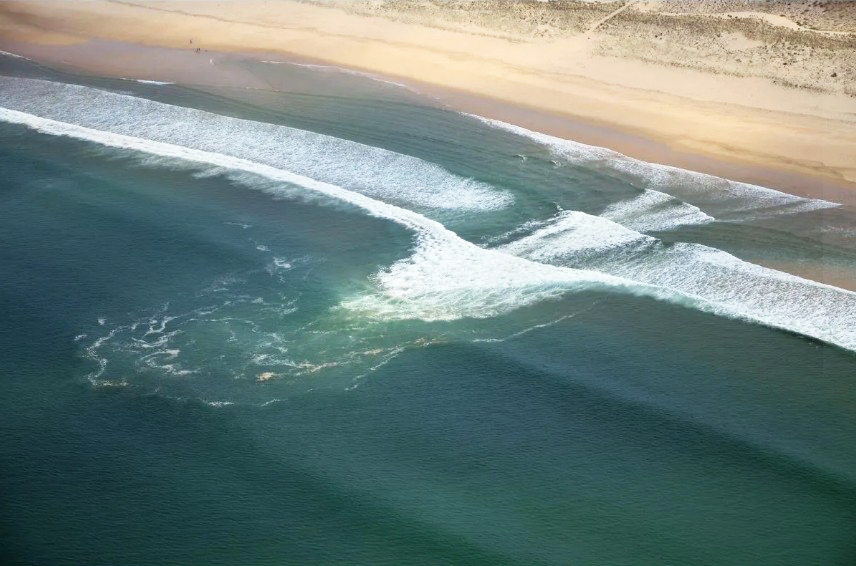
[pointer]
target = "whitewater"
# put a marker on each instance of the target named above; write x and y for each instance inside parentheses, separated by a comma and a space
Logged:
(446, 277)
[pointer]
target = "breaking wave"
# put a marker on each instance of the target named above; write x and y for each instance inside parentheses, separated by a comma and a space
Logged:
(704, 196)
(445, 277)
(364, 169)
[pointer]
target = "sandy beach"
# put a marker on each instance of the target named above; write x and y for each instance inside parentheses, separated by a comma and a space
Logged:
(409, 282)
(764, 97)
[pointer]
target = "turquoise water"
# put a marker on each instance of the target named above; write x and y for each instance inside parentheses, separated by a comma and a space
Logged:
(332, 322)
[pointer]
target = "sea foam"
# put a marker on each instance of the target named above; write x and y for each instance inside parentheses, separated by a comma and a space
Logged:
(14, 55)
(704, 196)
(447, 277)
(653, 211)
(709, 278)
(443, 264)
(149, 82)
(368, 170)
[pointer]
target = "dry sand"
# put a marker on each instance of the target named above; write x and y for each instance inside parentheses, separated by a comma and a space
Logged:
(757, 91)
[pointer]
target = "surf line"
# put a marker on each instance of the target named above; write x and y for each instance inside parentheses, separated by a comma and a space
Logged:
(423, 226)
(494, 270)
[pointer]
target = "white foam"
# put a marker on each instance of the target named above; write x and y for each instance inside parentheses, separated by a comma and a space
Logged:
(448, 278)
(357, 167)
(147, 82)
(653, 211)
(574, 234)
(745, 200)
(713, 280)
(523, 228)
(278, 266)
(526, 330)
(15, 55)
(218, 404)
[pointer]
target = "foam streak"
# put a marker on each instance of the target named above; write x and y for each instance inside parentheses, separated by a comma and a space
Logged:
(447, 277)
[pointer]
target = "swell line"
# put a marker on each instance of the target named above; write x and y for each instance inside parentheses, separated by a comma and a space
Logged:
(447, 277)
(432, 236)
(699, 192)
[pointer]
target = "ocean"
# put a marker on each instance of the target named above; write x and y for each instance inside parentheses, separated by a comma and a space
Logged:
(333, 321)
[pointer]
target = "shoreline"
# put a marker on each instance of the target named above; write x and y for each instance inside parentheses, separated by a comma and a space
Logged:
(827, 172)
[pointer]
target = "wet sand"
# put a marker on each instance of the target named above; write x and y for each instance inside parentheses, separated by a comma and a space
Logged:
(743, 128)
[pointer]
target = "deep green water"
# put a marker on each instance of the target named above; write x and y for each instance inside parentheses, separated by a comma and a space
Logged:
(453, 344)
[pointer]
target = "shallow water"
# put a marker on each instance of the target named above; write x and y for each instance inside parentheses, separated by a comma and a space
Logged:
(332, 321)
